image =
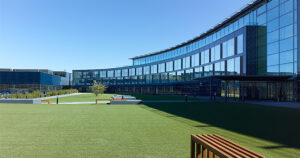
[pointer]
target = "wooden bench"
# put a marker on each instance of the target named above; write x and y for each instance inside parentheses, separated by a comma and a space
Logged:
(49, 102)
(213, 146)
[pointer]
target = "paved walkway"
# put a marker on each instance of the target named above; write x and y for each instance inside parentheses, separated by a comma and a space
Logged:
(99, 102)
(59, 96)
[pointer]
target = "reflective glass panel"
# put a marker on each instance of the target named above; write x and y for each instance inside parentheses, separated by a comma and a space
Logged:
(286, 57)
(230, 47)
(217, 52)
(286, 69)
(240, 44)
(286, 32)
(273, 48)
(286, 44)
(286, 19)
(273, 59)
(237, 68)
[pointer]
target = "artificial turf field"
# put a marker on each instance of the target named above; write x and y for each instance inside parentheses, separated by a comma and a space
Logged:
(151, 130)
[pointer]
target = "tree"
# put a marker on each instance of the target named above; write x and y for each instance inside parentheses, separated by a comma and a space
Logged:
(98, 88)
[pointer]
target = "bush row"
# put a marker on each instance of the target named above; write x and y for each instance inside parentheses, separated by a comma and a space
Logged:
(38, 94)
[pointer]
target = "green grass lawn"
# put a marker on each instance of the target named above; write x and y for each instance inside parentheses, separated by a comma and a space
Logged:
(88, 97)
(152, 130)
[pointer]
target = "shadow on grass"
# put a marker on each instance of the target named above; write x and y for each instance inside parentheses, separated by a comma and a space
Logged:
(281, 125)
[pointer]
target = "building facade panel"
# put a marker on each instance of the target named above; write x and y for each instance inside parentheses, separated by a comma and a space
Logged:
(234, 59)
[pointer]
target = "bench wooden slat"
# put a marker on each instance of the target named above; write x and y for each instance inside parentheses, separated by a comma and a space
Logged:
(222, 149)
(215, 146)
(229, 148)
(245, 149)
(245, 152)
(212, 148)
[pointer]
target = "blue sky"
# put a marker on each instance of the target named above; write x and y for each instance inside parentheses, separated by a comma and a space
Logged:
(93, 34)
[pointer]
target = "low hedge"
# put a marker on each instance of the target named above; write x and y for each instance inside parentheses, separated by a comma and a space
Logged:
(38, 94)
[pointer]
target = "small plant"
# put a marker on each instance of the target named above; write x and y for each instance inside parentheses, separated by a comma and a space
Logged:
(98, 88)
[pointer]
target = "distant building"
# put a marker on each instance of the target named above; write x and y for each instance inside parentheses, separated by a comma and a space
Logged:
(24, 80)
(253, 54)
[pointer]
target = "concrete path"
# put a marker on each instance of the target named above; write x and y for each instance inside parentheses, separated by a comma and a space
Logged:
(99, 102)
(59, 96)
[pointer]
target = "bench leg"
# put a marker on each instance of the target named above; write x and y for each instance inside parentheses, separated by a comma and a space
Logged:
(210, 154)
(204, 152)
(192, 149)
(198, 152)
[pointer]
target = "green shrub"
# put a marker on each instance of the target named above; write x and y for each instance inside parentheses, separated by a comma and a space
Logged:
(38, 94)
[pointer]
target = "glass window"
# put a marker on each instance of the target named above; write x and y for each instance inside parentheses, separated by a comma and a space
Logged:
(217, 52)
(273, 36)
(237, 68)
(272, 4)
(177, 64)
(203, 57)
(153, 69)
(161, 67)
(172, 77)
(262, 19)
(170, 66)
(286, 68)
(164, 77)
(206, 70)
(240, 44)
(206, 52)
(230, 66)
(261, 10)
(146, 70)
(272, 14)
(286, 32)
(246, 19)
(124, 72)
(198, 72)
(118, 73)
(102, 74)
(148, 79)
(273, 70)
(286, 44)
(230, 47)
(224, 50)
(189, 74)
(212, 54)
(155, 78)
(222, 71)
(110, 73)
(139, 71)
(180, 76)
(286, 19)
(286, 7)
(273, 48)
(195, 60)
(286, 57)
(132, 72)
(273, 59)
(217, 69)
(186, 62)
(273, 25)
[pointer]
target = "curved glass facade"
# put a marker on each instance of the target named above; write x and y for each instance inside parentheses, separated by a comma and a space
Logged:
(260, 40)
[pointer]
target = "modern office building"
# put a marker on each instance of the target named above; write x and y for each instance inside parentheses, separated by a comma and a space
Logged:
(27, 80)
(252, 54)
